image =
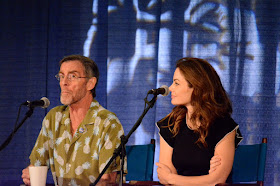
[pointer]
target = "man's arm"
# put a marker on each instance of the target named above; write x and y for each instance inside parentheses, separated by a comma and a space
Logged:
(111, 141)
(39, 142)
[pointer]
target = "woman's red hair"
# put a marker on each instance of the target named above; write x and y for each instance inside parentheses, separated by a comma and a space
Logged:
(209, 99)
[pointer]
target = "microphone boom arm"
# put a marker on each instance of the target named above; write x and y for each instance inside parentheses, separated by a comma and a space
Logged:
(10, 137)
(120, 151)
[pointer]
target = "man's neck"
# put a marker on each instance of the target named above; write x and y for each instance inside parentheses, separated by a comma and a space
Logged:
(78, 112)
(81, 106)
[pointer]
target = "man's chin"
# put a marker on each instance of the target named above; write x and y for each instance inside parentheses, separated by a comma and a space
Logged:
(65, 101)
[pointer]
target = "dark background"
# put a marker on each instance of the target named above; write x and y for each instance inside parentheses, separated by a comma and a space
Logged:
(136, 45)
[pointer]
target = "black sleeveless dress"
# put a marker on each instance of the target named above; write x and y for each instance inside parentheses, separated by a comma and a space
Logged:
(190, 158)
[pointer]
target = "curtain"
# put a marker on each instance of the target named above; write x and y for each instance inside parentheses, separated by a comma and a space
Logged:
(136, 44)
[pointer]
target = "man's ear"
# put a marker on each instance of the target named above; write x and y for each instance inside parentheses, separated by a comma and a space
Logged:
(91, 83)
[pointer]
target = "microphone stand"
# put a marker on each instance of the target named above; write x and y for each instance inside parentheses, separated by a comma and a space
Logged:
(27, 115)
(120, 151)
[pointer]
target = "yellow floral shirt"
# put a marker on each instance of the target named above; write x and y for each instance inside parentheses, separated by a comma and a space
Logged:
(77, 160)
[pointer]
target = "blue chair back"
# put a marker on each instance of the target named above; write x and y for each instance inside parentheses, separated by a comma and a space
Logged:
(140, 162)
(249, 163)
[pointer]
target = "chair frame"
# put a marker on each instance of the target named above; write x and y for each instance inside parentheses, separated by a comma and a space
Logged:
(143, 183)
(149, 183)
(258, 183)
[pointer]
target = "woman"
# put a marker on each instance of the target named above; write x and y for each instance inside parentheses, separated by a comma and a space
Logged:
(199, 127)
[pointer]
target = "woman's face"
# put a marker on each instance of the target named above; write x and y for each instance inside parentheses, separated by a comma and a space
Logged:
(180, 91)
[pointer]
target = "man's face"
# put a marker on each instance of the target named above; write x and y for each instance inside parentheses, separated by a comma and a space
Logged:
(75, 89)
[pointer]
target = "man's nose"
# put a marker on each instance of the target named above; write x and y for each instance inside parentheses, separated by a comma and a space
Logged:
(64, 81)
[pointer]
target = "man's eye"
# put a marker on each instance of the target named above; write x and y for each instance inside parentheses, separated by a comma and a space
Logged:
(73, 76)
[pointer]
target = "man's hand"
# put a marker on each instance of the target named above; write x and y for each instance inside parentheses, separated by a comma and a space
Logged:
(107, 179)
(25, 175)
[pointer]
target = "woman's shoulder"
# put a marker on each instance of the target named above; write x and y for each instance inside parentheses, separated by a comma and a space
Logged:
(221, 127)
(164, 122)
(225, 122)
(165, 130)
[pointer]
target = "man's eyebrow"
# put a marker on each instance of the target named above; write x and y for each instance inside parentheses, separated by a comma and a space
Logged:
(71, 72)
(74, 71)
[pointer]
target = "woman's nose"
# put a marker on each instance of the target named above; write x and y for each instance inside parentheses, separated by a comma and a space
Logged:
(170, 88)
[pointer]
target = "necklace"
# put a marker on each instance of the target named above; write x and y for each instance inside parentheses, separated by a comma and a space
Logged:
(191, 128)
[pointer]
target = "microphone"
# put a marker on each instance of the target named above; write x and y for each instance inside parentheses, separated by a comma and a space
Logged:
(43, 102)
(164, 90)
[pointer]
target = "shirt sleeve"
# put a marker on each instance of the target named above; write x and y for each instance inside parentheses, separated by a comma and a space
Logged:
(113, 130)
(165, 132)
(220, 129)
(39, 155)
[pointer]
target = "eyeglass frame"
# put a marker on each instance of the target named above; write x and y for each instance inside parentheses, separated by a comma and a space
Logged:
(69, 78)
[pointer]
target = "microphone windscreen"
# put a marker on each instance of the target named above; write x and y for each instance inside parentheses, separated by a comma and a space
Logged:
(46, 102)
(166, 88)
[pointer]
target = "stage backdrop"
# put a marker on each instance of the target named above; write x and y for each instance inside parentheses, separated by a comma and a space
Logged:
(136, 44)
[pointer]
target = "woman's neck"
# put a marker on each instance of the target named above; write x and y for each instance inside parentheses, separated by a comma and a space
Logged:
(192, 124)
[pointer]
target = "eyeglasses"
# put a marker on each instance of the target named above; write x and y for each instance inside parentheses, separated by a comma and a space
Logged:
(70, 77)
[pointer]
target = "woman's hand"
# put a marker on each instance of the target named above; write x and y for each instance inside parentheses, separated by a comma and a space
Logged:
(214, 163)
(164, 173)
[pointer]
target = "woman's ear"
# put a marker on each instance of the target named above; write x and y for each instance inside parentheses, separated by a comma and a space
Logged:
(91, 83)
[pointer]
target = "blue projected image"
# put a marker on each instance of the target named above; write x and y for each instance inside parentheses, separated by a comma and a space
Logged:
(145, 38)
(154, 34)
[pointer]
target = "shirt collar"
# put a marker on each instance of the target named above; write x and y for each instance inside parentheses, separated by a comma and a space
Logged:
(90, 116)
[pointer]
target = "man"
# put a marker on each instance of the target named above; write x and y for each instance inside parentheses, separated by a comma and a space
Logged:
(77, 139)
